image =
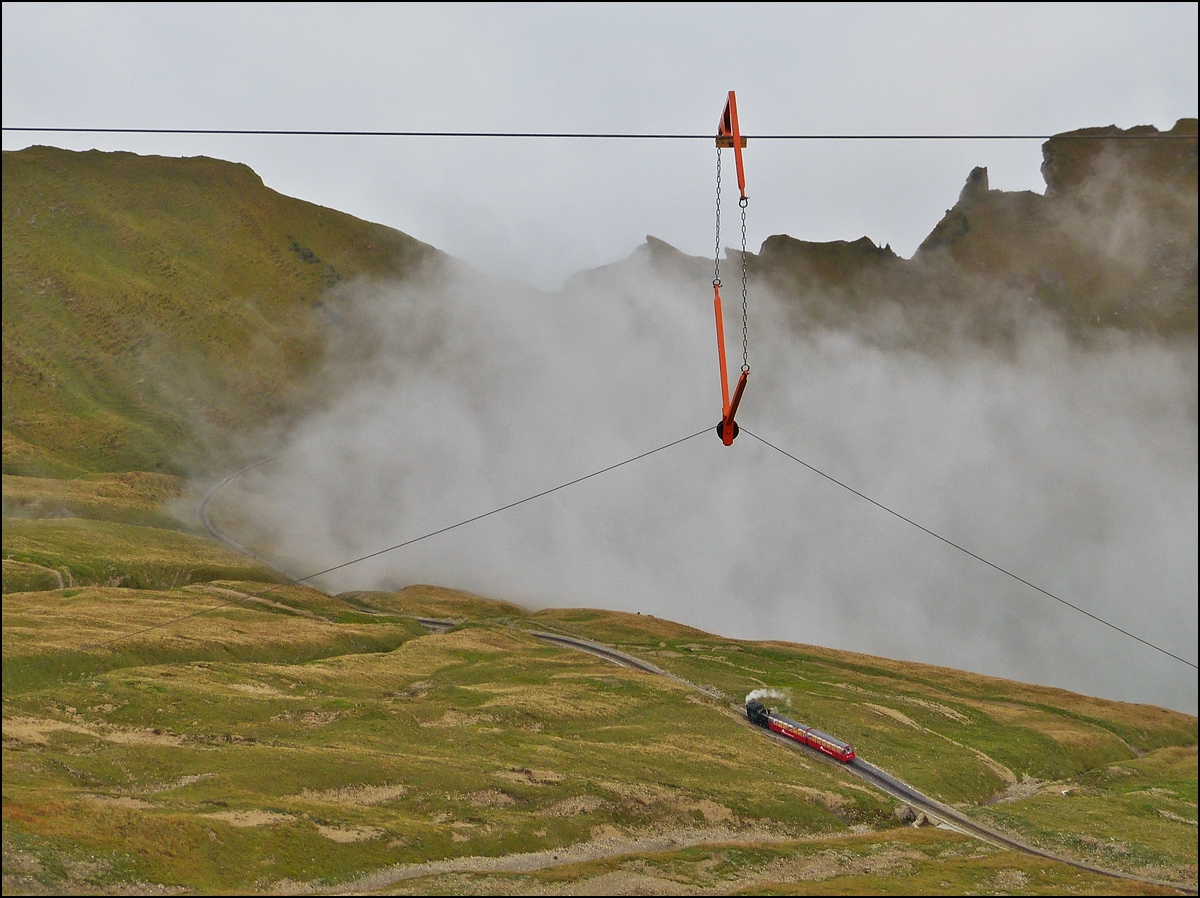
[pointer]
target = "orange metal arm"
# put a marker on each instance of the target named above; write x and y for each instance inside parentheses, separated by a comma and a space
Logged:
(729, 134)
(721, 350)
(737, 395)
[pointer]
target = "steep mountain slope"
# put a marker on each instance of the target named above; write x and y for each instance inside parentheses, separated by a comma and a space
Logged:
(154, 306)
(174, 719)
(1112, 242)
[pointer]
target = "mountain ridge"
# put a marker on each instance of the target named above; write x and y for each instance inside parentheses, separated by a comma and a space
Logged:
(1110, 245)
(177, 719)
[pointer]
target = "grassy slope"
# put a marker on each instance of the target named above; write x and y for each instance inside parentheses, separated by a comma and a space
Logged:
(285, 736)
(151, 304)
(298, 737)
(153, 308)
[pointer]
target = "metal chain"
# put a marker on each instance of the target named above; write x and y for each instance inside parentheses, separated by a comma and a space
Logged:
(743, 202)
(717, 255)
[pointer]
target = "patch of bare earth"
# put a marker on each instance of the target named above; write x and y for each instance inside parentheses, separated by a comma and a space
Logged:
(527, 777)
(347, 834)
(891, 859)
(1026, 788)
(35, 730)
(830, 800)
(578, 804)
(121, 801)
(243, 819)
(457, 719)
(609, 842)
(359, 794)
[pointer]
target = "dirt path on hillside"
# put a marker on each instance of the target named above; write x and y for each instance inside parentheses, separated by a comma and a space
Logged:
(607, 842)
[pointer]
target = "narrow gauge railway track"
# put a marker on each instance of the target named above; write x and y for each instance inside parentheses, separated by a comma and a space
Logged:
(869, 773)
(863, 769)
(602, 651)
(202, 512)
(964, 824)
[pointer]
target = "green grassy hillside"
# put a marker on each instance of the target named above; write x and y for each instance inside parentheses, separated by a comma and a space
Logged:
(153, 306)
(290, 740)
(176, 719)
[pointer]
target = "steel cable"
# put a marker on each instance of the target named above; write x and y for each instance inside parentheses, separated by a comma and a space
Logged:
(584, 135)
(299, 580)
(966, 551)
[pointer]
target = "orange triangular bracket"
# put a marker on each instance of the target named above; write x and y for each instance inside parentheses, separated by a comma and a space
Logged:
(730, 135)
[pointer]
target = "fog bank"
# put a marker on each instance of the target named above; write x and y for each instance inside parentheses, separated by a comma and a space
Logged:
(1073, 467)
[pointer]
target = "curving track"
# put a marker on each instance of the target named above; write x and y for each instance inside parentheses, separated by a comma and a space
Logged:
(868, 772)
(601, 651)
(202, 513)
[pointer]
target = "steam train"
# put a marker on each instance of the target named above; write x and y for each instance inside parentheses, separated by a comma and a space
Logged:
(759, 715)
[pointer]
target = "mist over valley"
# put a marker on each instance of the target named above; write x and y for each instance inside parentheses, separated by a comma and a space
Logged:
(1046, 423)
(552, 696)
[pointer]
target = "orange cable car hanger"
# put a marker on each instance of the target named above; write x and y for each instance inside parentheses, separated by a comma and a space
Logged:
(729, 135)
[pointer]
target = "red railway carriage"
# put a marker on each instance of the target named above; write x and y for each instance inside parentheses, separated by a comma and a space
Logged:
(760, 715)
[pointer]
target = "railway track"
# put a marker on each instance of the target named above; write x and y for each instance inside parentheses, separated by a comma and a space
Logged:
(869, 773)
(202, 512)
(964, 824)
(601, 651)
(866, 771)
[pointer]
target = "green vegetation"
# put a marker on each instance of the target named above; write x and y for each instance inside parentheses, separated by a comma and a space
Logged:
(1138, 813)
(177, 718)
(153, 306)
(968, 740)
(287, 736)
(98, 552)
(133, 497)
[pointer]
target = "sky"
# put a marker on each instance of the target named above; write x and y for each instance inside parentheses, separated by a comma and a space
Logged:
(1076, 468)
(540, 210)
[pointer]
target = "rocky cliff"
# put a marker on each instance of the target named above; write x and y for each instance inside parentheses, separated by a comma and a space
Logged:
(1110, 244)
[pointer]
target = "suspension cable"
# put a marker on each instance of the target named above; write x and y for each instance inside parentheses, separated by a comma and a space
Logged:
(300, 580)
(717, 251)
(743, 203)
(583, 135)
(966, 551)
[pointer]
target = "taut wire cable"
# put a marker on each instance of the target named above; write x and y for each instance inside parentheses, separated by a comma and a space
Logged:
(588, 135)
(298, 580)
(966, 551)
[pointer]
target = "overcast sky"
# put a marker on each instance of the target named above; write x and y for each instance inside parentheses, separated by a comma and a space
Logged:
(538, 210)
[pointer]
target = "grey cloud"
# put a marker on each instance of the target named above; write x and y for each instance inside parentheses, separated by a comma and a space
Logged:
(1071, 466)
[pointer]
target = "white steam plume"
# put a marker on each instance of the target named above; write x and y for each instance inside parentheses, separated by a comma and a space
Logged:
(759, 694)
